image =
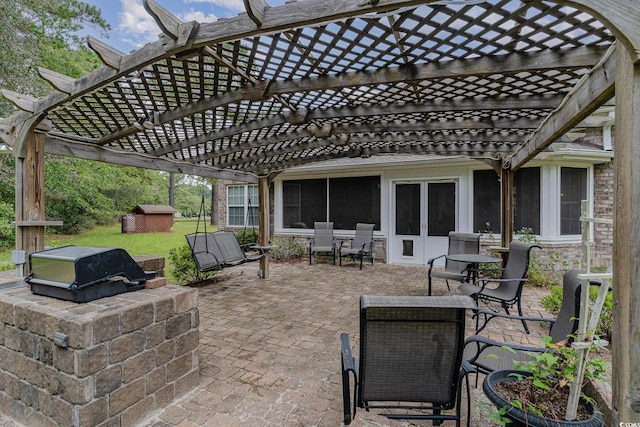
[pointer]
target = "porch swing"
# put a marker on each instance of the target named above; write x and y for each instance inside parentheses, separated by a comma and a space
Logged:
(216, 250)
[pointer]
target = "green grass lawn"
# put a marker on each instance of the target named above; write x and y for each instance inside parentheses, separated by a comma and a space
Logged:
(157, 244)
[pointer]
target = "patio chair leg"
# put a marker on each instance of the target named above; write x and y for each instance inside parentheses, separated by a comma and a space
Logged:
(524, 323)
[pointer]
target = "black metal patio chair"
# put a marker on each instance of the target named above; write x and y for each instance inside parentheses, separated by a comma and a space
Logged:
(488, 355)
(459, 243)
(508, 291)
(410, 362)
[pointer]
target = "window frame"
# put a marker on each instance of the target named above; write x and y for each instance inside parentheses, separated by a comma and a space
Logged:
(496, 224)
(380, 197)
(245, 204)
(588, 186)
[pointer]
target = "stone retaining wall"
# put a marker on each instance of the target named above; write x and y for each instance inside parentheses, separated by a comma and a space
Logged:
(127, 356)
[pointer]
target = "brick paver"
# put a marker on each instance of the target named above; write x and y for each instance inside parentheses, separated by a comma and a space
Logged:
(270, 352)
(269, 349)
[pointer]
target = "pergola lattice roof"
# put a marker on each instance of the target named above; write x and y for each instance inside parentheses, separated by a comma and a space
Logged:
(314, 80)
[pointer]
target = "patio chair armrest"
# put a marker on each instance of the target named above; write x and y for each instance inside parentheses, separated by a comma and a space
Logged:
(348, 366)
(482, 283)
(484, 343)
(489, 315)
(343, 241)
(431, 260)
(370, 243)
(467, 368)
(347, 357)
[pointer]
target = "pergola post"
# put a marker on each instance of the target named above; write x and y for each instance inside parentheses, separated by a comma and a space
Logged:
(626, 243)
(506, 204)
(29, 194)
(264, 224)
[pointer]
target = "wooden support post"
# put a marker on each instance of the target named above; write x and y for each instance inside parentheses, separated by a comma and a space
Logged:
(506, 208)
(30, 197)
(265, 225)
(626, 243)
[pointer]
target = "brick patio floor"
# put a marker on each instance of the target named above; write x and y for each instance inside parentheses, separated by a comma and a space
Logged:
(270, 351)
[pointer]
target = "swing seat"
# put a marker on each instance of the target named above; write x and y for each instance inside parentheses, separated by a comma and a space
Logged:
(220, 249)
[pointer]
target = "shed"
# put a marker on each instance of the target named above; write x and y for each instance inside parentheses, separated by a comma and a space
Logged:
(148, 218)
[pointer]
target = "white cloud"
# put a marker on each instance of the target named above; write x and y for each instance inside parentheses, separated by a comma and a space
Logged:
(236, 5)
(198, 15)
(136, 25)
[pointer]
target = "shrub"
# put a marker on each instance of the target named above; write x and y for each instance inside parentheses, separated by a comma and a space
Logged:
(287, 248)
(553, 301)
(7, 231)
(543, 271)
(247, 236)
(183, 268)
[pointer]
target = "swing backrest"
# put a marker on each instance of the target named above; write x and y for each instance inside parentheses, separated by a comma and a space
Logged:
(230, 248)
(205, 251)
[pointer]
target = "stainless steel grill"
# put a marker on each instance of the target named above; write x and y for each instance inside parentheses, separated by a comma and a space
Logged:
(83, 274)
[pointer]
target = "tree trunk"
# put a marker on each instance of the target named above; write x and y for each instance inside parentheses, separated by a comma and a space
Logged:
(172, 188)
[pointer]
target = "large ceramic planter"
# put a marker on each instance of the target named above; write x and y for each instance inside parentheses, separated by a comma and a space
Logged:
(522, 418)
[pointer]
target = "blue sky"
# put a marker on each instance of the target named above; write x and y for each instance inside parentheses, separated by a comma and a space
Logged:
(132, 27)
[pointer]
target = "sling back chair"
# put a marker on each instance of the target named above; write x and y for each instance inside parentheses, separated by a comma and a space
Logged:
(488, 355)
(361, 244)
(410, 353)
(459, 243)
(508, 291)
(322, 241)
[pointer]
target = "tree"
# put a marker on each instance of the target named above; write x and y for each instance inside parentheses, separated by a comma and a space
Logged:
(106, 193)
(44, 33)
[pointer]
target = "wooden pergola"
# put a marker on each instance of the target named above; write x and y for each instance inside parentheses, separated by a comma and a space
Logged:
(276, 87)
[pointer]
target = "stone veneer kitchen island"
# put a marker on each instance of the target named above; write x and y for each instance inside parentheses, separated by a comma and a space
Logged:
(112, 361)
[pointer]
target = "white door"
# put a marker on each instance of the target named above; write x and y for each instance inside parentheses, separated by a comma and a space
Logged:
(424, 214)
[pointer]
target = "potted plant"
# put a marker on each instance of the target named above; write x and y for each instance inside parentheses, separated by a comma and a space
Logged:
(536, 392)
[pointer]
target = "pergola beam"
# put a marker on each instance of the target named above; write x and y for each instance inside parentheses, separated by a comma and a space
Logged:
(59, 81)
(443, 143)
(499, 64)
(450, 105)
(110, 56)
(23, 102)
(595, 88)
(167, 21)
(256, 10)
(54, 145)
(464, 150)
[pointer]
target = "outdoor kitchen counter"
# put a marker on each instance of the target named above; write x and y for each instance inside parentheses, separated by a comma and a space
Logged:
(115, 359)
